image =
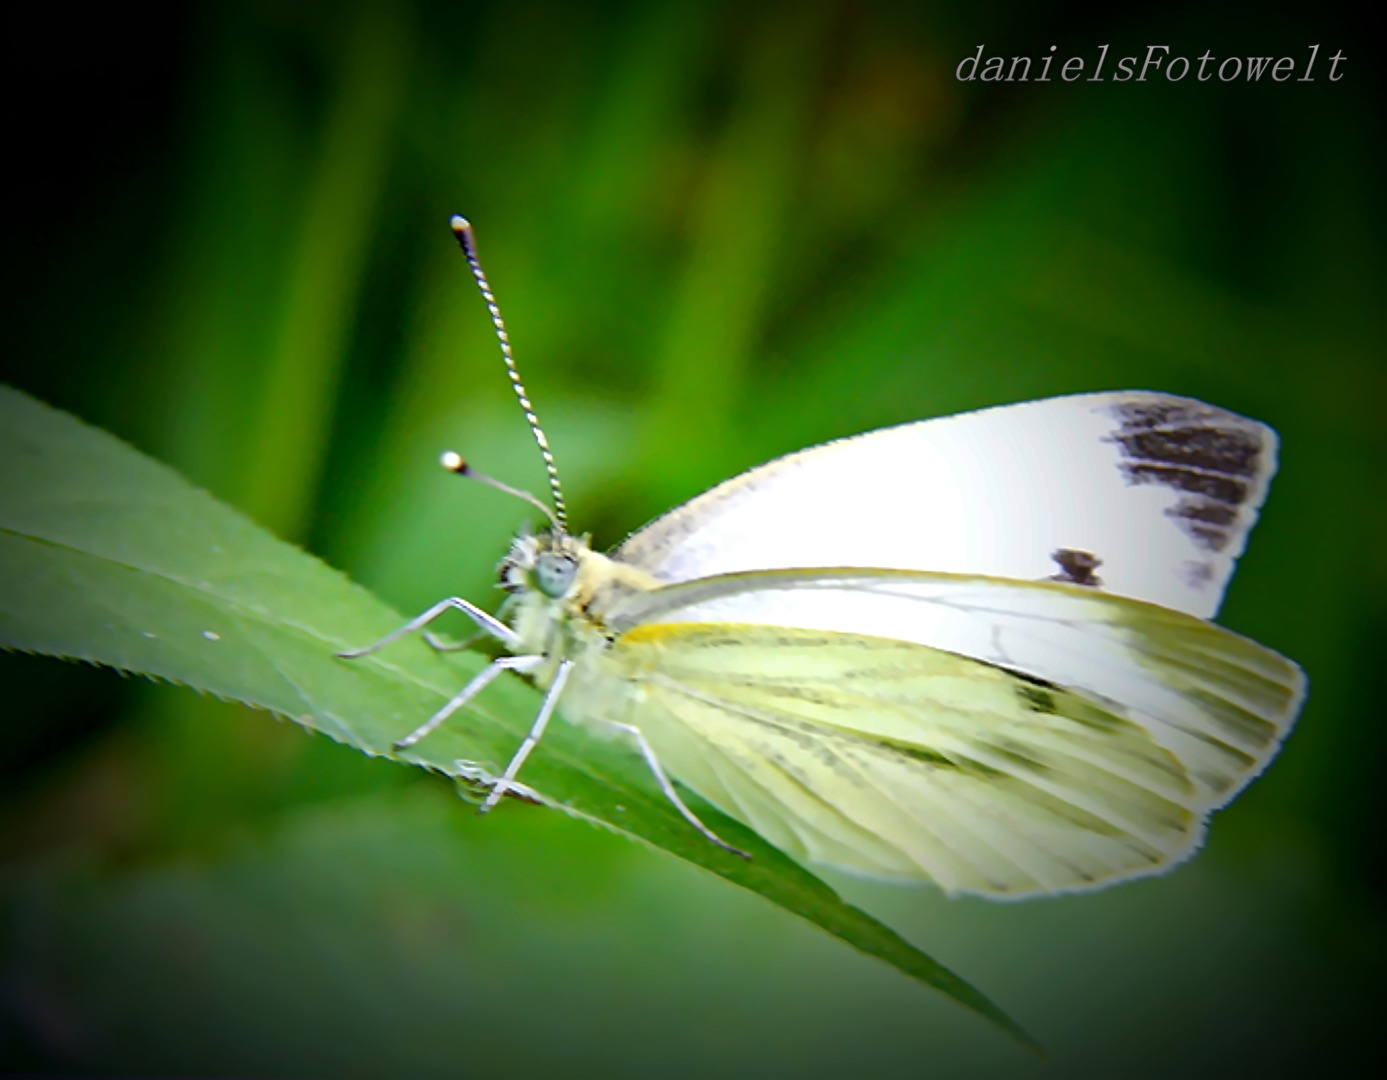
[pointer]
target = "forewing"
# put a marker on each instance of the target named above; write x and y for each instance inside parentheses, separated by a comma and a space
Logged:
(894, 759)
(1221, 704)
(1160, 490)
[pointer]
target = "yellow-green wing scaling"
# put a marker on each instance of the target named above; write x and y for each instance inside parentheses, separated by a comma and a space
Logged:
(894, 759)
(1220, 703)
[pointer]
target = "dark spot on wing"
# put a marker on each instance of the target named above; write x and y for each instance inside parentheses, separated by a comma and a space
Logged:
(1190, 434)
(1036, 699)
(1208, 537)
(1206, 512)
(1223, 489)
(1076, 567)
(1183, 442)
(1212, 458)
(1197, 574)
(1208, 523)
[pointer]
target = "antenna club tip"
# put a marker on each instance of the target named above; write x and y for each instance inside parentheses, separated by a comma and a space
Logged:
(459, 224)
(452, 461)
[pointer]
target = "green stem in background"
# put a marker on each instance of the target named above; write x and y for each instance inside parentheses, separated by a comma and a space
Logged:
(716, 321)
(284, 452)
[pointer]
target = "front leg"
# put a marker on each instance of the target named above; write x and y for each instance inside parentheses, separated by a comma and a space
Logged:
(488, 623)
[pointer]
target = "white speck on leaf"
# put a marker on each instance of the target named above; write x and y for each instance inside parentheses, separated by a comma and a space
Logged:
(211, 635)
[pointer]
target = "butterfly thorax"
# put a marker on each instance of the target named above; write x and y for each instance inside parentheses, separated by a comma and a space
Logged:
(560, 591)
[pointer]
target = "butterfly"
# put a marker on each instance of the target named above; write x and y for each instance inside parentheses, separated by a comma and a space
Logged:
(973, 651)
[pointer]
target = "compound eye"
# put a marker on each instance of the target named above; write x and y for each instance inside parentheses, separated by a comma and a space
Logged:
(554, 574)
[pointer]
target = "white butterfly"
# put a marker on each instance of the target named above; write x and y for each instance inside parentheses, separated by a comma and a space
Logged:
(971, 650)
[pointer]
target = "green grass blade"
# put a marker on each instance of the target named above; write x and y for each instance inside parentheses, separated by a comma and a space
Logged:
(110, 557)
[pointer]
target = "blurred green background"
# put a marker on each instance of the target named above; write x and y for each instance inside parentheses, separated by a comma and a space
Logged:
(719, 232)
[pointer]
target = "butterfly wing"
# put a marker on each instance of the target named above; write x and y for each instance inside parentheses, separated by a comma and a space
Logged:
(1217, 702)
(897, 760)
(1161, 490)
(970, 709)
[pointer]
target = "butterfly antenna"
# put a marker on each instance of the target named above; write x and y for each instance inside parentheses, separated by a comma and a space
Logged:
(453, 462)
(462, 229)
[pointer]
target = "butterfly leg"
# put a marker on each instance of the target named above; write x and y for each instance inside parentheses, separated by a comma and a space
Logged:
(437, 644)
(476, 780)
(546, 710)
(474, 687)
(486, 622)
(648, 752)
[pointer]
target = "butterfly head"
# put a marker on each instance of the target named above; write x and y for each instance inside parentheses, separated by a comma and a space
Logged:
(558, 580)
(547, 563)
(553, 579)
